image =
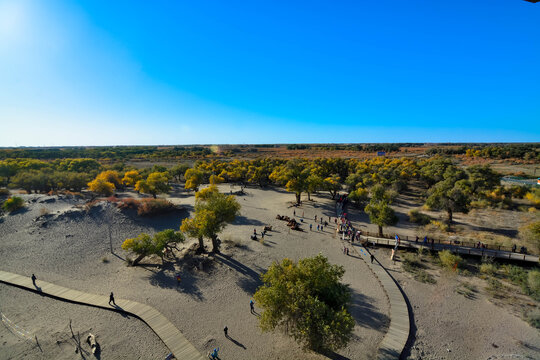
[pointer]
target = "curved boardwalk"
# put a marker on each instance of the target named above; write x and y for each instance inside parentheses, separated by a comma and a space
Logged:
(168, 333)
(397, 335)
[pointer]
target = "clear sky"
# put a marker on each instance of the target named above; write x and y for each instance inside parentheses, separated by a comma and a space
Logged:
(190, 72)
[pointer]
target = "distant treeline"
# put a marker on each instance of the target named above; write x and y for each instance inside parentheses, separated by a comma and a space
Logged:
(352, 147)
(497, 151)
(106, 152)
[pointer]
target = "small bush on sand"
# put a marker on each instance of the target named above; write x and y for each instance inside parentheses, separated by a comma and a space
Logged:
(13, 203)
(495, 288)
(417, 217)
(440, 225)
(43, 211)
(412, 264)
(533, 283)
(150, 207)
(467, 289)
(449, 260)
(488, 268)
(533, 318)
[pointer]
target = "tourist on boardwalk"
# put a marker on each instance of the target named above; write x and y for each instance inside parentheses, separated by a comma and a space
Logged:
(252, 306)
(317, 227)
(225, 330)
(34, 279)
(111, 299)
(425, 240)
(514, 247)
(417, 238)
(321, 227)
(310, 227)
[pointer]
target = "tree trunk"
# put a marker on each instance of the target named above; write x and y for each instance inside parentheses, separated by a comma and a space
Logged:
(154, 195)
(215, 245)
(298, 198)
(201, 244)
(380, 230)
(449, 211)
(138, 259)
(308, 196)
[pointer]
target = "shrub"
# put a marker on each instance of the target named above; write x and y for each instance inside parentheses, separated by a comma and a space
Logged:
(533, 282)
(449, 260)
(13, 203)
(43, 211)
(417, 217)
(150, 207)
(488, 268)
(442, 226)
(533, 318)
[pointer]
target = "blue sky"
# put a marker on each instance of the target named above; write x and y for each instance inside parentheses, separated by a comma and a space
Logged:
(191, 72)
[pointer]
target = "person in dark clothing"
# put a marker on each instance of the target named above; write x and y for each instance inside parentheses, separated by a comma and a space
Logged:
(252, 306)
(34, 280)
(226, 330)
(111, 299)
(372, 257)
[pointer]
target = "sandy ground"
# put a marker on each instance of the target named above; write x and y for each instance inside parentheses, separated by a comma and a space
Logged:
(448, 325)
(68, 247)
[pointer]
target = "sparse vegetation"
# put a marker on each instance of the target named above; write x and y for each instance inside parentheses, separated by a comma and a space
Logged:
(449, 260)
(417, 217)
(12, 204)
(413, 265)
(467, 289)
(488, 268)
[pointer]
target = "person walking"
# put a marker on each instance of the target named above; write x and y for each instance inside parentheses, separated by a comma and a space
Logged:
(111, 299)
(315, 218)
(252, 306)
(372, 257)
(178, 280)
(294, 212)
(317, 227)
(310, 227)
(226, 330)
(34, 280)
(321, 228)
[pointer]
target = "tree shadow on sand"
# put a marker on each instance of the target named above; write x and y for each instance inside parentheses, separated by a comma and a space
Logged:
(251, 279)
(165, 278)
(365, 314)
(242, 220)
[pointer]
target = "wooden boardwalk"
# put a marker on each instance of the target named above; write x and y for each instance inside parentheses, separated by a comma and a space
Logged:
(396, 337)
(168, 333)
(500, 254)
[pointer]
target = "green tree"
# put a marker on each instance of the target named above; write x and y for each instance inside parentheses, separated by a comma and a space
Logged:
(313, 184)
(309, 299)
(178, 171)
(332, 184)
(483, 178)
(213, 211)
(194, 179)
(155, 183)
(381, 214)
(451, 194)
(358, 196)
(293, 175)
(144, 245)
